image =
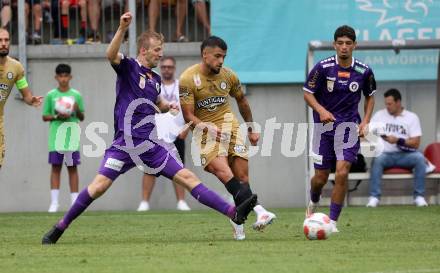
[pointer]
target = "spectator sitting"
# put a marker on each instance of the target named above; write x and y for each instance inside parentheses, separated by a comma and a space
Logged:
(181, 10)
(400, 134)
(202, 14)
(33, 35)
(5, 14)
(94, 11)
(65, 5)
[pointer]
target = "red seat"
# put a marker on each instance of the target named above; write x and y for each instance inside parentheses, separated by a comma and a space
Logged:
(396, 170)
(432, 153)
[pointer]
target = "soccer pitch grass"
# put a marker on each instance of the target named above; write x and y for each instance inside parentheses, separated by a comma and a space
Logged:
(386, 239)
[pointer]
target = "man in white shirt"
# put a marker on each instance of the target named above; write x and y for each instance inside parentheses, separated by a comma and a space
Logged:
(169, 129)
(400, 134)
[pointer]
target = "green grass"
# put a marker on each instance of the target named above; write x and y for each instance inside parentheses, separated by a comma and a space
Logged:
(386, 239)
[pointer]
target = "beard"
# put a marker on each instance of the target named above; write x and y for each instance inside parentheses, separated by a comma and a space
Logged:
(4, 53)
(215, 70)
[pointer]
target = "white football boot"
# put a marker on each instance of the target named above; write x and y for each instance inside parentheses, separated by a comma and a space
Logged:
(264, 218)
(237, 231)
(311, 208)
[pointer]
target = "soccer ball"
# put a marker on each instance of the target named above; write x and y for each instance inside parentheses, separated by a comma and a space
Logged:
(64, 105)
(317, 226)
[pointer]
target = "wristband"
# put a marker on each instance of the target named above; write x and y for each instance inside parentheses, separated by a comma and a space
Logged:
(401, 142)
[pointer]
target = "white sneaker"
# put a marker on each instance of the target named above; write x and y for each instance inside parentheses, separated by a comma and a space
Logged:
(420, 201)
(334, 228)
(263, 220)
(237, 231)
(53, 207)
(311, 208)
(372, 202)
(182, 205)
(143, 206)
(429, 167)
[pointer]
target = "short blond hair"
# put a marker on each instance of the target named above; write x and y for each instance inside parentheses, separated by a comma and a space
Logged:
(144, 39)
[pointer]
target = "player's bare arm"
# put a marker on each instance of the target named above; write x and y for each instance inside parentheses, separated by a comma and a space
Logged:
(246, 113)
(324, 115)
(165, 106)
(112, 52)
(30, 99)
(78, 113)
(368, 112)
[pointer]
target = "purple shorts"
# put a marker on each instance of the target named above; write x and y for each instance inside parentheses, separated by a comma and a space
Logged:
(157, 160)
(69, 158)
(332, 147)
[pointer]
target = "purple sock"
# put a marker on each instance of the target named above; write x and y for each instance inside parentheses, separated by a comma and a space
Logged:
(315, 196)
(82, 202)
(211, 199)
(335, 210)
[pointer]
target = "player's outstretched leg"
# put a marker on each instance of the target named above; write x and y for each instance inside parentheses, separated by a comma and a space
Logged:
(211, 199)
(99, 185)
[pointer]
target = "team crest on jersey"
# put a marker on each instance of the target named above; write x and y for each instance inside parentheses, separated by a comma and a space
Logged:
(197, 80)
(211, 103)
(330, 85)
(10, 75)
(203, 160)
(223, 85)
(141, 81)
(354, 86)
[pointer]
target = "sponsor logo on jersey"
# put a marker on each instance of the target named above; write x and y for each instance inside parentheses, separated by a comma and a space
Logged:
(354, 86)
(343, 74)
(312, 82)
(183, 92)
(197, 80)
(10, 75)
(240, 149)
(114, 164)
(3, 94)
(359, 69)
(211, 103)
(328, 65)
(4, 86)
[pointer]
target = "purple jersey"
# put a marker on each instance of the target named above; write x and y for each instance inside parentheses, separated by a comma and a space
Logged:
(137, 89)
(338, 89)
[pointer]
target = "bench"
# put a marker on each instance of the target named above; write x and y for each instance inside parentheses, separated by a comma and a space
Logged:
(432, 153)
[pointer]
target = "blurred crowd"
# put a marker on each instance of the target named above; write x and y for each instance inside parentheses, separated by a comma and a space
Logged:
(95, 21)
